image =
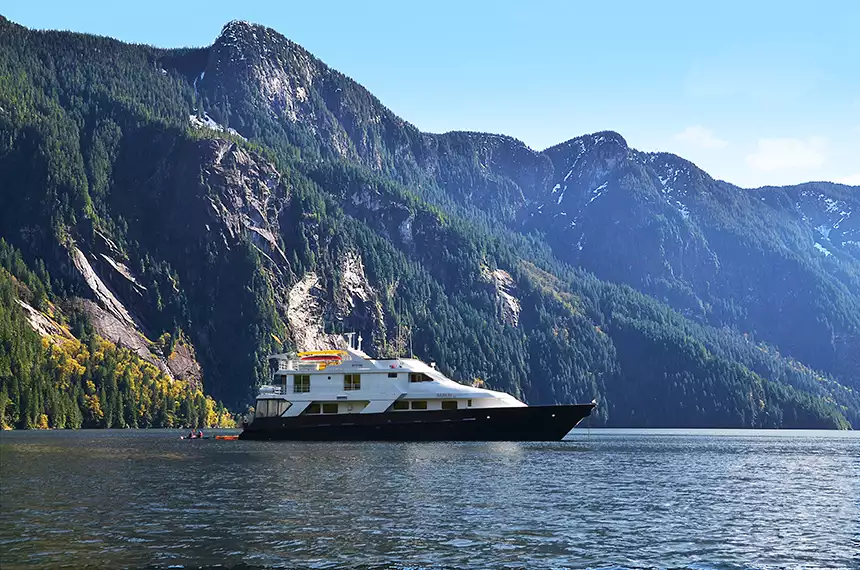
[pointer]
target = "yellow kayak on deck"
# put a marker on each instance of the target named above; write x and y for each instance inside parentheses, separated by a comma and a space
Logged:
(340, 353)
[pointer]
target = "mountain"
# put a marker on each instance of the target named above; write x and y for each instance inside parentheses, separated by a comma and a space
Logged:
(245, 198)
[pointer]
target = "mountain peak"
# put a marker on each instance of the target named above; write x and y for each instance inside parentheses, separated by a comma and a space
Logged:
(232, 24)
(591, 140)
(235, 28)
(248, 37)
(610, 137)
(487, 138)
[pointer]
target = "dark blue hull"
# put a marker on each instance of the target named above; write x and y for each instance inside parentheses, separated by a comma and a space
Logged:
(533, 423)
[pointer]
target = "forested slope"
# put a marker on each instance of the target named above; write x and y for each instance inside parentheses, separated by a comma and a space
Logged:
(70, 377)
(253, 204)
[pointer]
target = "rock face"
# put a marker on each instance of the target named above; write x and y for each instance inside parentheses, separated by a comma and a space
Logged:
(126, 335)
(249, 200)
(100, 291)
(354, 286)
(308, 305)
(42, 323)
(305, 310)
(504, 288)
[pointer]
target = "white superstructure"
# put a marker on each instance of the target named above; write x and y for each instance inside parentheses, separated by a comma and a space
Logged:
(348, 381)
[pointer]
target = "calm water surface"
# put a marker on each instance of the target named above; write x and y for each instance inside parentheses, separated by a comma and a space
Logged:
(602, 498)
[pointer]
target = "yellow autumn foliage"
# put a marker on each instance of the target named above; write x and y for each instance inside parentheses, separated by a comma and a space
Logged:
(94, 407)
(157, 399)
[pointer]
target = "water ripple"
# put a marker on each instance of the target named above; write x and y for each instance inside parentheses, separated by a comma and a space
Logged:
(603, 499)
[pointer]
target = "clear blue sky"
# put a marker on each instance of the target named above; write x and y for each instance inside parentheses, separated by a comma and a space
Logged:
(755, 92)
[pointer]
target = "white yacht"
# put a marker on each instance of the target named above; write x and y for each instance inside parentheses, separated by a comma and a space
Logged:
(346, 395)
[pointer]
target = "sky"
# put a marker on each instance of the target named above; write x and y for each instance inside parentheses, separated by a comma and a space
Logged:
(755, 92)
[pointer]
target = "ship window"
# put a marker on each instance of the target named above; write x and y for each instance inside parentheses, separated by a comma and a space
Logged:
(392, 374)
(468, 403)
(419, 405)
(449, 405)
(268, 407)
(329, 408)
(352, 381)
(418, 377)
(301, 383)
(313, 409)
(401, 405)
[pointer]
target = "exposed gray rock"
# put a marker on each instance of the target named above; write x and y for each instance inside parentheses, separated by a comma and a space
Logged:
(305, 307)
(121, 333)
(247, 197)
(100, 290)
(42, 323)
(508, 305)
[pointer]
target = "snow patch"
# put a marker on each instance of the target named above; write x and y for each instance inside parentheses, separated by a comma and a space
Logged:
(576, 160)
(598, 192)
(823, 249)
(669, 179)
(207, 122)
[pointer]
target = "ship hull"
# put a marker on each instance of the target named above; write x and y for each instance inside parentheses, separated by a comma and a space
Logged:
(532, 423)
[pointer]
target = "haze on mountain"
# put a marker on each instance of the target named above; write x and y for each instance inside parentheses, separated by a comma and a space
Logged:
(201, 208)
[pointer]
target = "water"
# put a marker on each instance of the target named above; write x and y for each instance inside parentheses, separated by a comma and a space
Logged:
(602, 498)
